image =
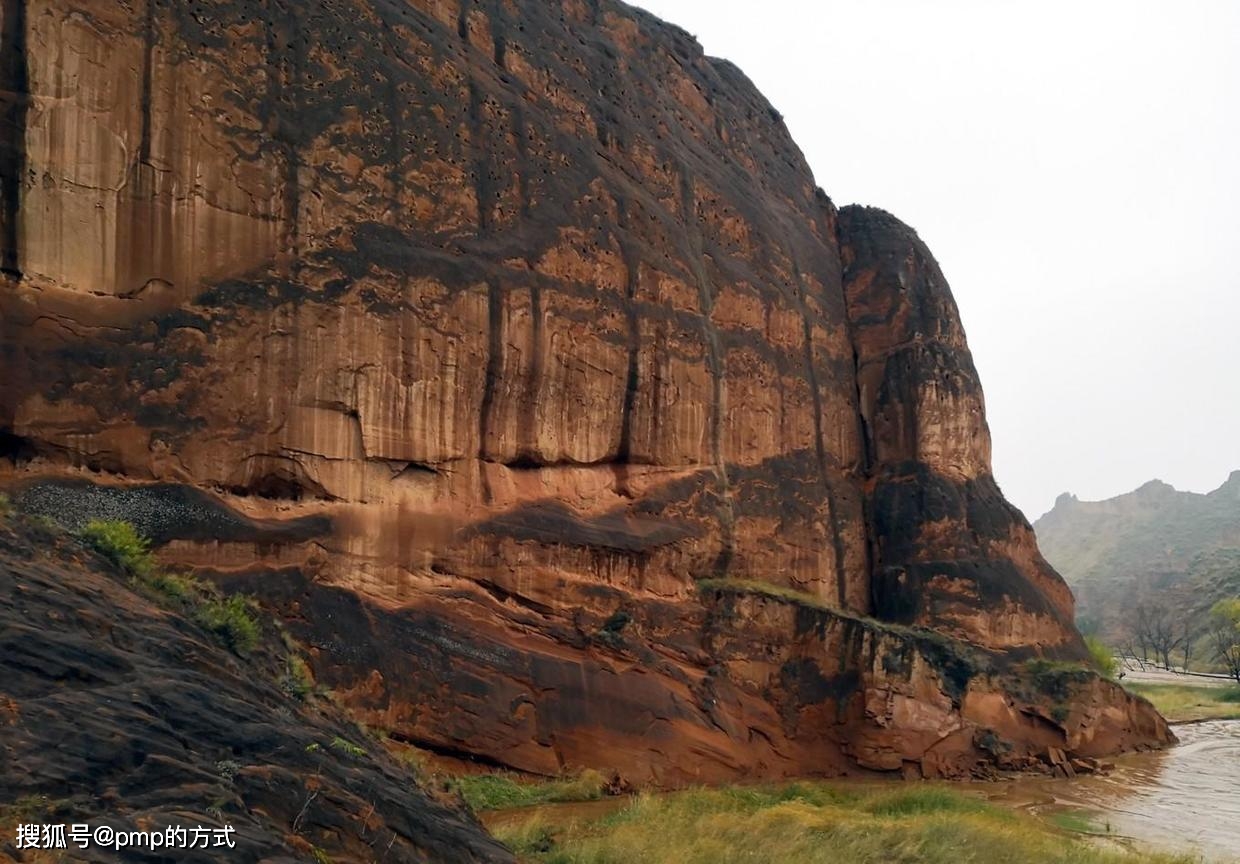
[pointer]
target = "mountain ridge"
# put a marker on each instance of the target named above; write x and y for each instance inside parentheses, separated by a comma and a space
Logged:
(1119, 552)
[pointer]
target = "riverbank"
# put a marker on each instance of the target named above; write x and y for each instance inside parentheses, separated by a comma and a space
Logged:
(1174, 805)
(1191, 703)
(1153, 808)
(809, 822)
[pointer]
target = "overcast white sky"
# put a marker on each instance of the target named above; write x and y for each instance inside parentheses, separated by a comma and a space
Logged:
(1075, 168)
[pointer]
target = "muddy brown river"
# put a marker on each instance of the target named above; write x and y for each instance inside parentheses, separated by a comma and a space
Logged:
(1186, 799)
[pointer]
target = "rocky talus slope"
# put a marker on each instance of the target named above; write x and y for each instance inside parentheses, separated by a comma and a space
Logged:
(116, 710)
(510, 354)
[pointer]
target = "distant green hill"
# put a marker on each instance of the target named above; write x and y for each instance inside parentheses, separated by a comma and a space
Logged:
(1154, 544)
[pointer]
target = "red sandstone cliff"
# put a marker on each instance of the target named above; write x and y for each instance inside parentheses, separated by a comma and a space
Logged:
(509, 352)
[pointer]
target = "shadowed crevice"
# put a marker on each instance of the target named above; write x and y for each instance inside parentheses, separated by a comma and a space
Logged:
(14, 102)
(811, 371)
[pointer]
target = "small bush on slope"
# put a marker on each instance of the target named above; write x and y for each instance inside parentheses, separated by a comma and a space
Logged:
(230, 619)
(120, 543)
(1103, 657)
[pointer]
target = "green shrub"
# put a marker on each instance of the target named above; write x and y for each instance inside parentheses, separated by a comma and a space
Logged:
(227, 769)
(120, 543)
(1103, 658)
(180, 587)
(231, 620)
(613, 628)
(347, 747)
(6, 506)
(297, 681)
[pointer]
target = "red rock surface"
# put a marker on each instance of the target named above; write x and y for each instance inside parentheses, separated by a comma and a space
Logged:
(509, 351)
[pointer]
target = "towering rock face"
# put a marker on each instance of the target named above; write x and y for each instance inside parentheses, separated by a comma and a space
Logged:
(950, 552)
(509, 351)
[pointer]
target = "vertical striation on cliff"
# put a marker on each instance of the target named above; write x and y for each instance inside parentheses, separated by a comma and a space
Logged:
(13, 104)
(603, 429)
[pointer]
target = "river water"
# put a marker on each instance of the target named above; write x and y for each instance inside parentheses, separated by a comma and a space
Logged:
(1181, 799)
(1185, 799)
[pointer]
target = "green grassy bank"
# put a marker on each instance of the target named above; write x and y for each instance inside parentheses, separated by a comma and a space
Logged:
(807, 823)
(1184, 703)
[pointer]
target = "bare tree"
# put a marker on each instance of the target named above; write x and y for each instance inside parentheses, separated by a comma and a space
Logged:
(1227, 649)
(1138, 632)
(1129, 650)
(1189, 633)
(1157, 631)
(1225, 635)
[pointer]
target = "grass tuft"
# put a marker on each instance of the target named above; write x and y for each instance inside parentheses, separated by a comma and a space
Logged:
(297, 680)
(1074, 823)
(916, 801)
(502, 791)
(347, 747)
(120, 543)
(231, 619)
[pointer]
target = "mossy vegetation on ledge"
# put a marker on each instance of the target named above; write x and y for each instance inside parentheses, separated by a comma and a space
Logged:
(768, 589)
(956, 662)
(807, 823)
(1056, 679)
